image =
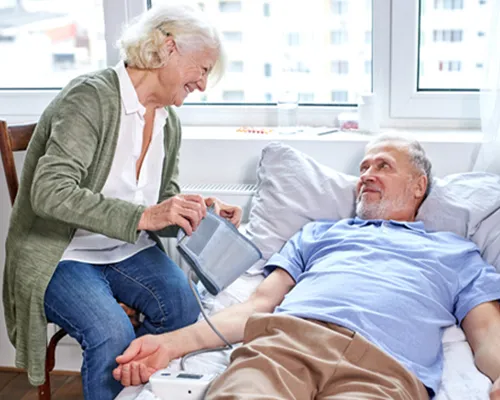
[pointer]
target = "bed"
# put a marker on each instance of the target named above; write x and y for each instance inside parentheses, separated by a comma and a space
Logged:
(294, 189)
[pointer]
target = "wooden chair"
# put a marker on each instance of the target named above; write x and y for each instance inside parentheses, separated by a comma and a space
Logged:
(16, 138)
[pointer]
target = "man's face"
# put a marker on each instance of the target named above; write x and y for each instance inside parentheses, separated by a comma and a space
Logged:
(389, 186)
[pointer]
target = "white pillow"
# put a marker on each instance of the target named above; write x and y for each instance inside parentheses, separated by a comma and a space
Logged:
(467, 204)
(294, 189)
(459, 203)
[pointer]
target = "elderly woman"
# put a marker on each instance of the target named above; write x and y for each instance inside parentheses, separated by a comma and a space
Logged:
(100, 177)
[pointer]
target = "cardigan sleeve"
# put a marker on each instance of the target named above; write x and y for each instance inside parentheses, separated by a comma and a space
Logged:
(58, 191)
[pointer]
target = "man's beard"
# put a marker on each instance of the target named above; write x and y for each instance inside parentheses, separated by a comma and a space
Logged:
(383, 208)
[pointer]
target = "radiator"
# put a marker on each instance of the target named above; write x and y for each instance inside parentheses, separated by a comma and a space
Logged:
(236, 194)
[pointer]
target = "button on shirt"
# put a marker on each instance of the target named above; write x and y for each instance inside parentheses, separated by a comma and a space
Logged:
(122, 182)
(392, 282)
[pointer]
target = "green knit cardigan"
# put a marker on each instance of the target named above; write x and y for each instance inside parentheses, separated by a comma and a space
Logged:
(67, 163)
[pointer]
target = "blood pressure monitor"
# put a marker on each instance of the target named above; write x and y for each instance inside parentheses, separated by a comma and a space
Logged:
(168, 385)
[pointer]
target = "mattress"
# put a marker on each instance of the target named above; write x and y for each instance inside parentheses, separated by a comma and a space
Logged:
(461, 379)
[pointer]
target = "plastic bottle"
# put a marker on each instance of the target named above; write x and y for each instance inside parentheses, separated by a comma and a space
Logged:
(287, 99)
(368, 116)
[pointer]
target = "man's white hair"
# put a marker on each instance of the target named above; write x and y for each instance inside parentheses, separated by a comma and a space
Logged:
(142, 42)
(415, 151)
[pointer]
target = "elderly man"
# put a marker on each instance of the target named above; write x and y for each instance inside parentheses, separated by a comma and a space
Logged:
(354, 308)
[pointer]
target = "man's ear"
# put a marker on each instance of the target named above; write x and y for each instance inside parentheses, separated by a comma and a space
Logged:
(421, 186)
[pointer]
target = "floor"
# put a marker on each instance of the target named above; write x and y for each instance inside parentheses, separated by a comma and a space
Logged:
(15, 386)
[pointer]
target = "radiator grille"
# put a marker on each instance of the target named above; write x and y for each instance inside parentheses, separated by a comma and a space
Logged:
(220, 188)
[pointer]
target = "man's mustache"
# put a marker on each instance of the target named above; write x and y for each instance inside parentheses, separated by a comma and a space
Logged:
(368, 188)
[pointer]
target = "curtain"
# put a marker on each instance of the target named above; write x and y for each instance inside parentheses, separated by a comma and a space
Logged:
(488, 157)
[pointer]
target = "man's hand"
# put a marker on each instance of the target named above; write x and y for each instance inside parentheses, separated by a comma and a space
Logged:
(231, 213)
(495, 390)
(184, 210)
(143, 357)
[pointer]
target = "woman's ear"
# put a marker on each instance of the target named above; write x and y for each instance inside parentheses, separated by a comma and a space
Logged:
(171, 46)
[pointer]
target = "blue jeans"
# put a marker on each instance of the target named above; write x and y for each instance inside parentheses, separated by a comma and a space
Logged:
(82, 299)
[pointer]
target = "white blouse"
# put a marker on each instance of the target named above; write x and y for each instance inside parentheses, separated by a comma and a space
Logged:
(122, 183)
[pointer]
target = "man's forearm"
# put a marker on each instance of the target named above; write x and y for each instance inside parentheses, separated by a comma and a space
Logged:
(229, 322)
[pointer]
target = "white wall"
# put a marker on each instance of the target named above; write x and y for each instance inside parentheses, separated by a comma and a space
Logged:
(234, 160)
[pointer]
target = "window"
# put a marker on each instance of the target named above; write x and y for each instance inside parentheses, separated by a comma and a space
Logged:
(453, 43)
(277, 38)
(51, 42)
(340, 67)
(63, 60)
(232, 36)
(7, 38)
(300, 66)
(268, 69)
(339, 7)
(449, 4)
(251, 31)
(450, 66)
(445, 91)
(267, 9)
(229, 6)
(293, 39)
(235, 66)
(234, 96)
(339, 96)
(338, 37)
(447, 35)
(306, 97)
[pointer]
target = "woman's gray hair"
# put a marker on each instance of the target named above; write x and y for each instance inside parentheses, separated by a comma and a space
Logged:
(415, 150)
(142, 42)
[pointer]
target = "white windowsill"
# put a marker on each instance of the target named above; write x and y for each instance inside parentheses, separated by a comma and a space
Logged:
(423, 135)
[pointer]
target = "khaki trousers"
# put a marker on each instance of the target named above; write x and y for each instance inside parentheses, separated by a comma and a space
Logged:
(289, 358)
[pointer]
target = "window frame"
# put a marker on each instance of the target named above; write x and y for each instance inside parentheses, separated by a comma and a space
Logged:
(399, 103)
(405, 100)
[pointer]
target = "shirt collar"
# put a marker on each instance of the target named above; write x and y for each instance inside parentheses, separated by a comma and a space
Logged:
(129, 96)
(414, 226)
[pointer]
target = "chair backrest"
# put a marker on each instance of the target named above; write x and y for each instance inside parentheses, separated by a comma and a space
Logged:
(13, 138)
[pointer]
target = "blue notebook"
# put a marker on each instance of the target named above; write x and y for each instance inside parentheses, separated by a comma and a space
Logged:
(217, 252)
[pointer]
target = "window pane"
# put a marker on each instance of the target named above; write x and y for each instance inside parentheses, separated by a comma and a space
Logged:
(454, 45)
(45, 43)
(314, 48)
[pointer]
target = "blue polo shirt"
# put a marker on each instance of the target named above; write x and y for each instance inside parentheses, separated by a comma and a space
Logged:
(394, 283)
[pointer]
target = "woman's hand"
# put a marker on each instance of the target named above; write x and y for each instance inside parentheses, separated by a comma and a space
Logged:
(143, 358)
(185, 211)
(231, 213)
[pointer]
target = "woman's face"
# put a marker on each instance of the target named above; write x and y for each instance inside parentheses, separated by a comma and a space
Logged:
(185, 73)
